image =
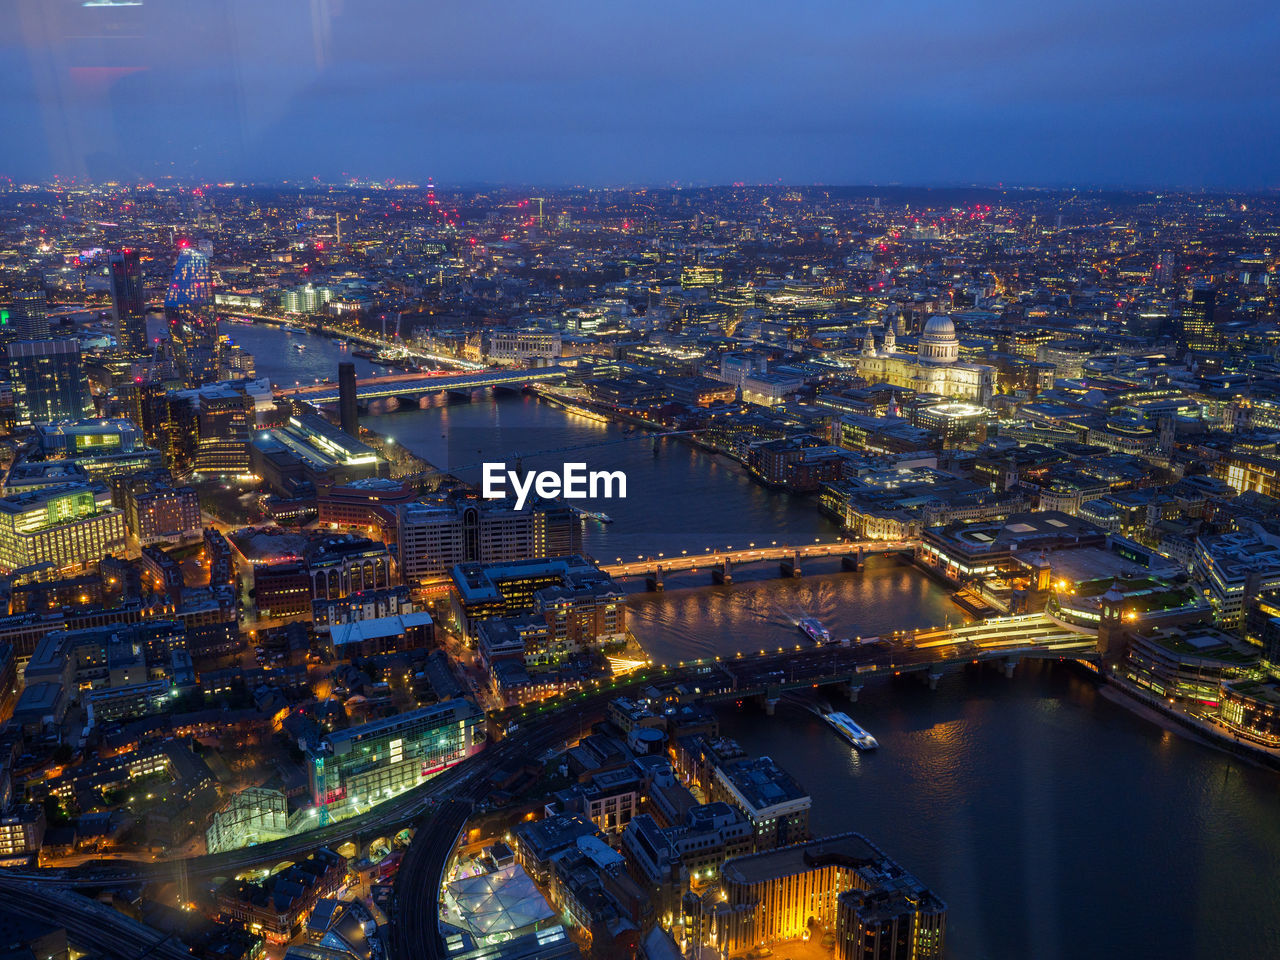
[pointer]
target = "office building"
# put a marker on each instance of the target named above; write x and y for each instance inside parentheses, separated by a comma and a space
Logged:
(102, 448)
(479, 591)
(844, 883)
(776, 805)
(192, 318)
(157, 511)
(225, 421)
(49, 381)
(309, 453)
(59, 530)
(128, 302)
(362, 765)
(29, 318)
(435, 537)
(349, 415)
(1199, 333)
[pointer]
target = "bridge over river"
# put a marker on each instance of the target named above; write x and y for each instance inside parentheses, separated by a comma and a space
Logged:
(928, 653)
(789, 557)
(414, 386)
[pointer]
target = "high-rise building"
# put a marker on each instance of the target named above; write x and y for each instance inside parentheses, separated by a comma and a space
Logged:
(349, 415)
(1198, 330)
(30, 316)
(225, 421)
(49, 381)
(193, 319)
(128, 301)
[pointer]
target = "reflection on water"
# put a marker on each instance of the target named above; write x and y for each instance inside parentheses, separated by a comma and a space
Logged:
(689, 624)
(682, 499)
(1054, 822)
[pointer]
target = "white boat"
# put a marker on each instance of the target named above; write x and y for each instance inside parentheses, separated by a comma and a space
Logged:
(851, 731)
(299, 347)
(814, 630)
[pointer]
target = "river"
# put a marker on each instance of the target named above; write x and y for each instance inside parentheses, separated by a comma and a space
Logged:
(1054, 822)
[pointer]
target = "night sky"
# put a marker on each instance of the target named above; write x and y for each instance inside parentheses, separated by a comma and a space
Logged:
(1096, 92)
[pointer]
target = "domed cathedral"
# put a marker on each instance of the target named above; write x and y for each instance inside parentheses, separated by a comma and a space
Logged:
(934, 368)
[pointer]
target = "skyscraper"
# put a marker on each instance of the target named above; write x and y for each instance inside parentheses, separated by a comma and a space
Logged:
(349, 416)
(128, 302)
(193, 319)
(49, 380)
(1198, 331)
(30, 320)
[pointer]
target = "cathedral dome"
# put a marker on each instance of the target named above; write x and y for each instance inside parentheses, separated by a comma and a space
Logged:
(940, 327)
(938, 343)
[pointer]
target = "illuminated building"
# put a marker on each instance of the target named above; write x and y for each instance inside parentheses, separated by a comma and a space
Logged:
(49, 380)
(844, 883)
(156, 511)
(776, 806)
(521, 346)
(1198, 330)
(1247, 472)
(935, 368)
(21, 833)
(225, 420)
(1187, 665)
(580, 603)
(435, 537)
(309, 453)
(29, 320)
(128, 301)
(278, 907)
(368, 505)
(1251, 710)
(1234, 569)
(102, 448)
(192, 317)
(59, 529)
(360, 766)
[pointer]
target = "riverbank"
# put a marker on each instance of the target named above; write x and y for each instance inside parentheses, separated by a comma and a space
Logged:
(1166, 715)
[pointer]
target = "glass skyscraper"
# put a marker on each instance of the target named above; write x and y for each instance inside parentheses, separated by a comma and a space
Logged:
(128, 302)
(49, 381)
(192, 318)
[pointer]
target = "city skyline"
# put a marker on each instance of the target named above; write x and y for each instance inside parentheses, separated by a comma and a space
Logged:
(1151, 95)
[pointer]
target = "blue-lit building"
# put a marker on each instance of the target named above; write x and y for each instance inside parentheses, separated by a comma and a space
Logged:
(192, 317)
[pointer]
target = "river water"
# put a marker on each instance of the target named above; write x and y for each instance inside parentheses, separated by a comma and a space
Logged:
(1054, 822)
